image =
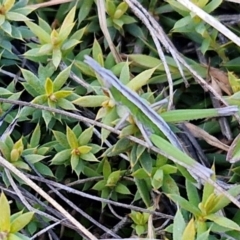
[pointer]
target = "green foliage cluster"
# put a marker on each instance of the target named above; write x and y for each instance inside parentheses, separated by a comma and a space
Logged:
(41, 55)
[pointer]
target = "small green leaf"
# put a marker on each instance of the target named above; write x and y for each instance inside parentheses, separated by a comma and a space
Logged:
(8, 5)
(61, 139)
(5, 150)
(151, 62)
(212, 5)
(178, 225)
(33, 82)
(146, 162)
(42, 100)
(72, 139)
(121, 146)
(169, 169)
(44, 25)
(34, 158)
(79, 168)
(222, 201)
(143, 191)
(110, 8)
(43, 36)
(120, 188)
(190, 231)
(21, 221)
(108, 119)
(17, 236)
(183, 22)
(208, 189)
(35, 138)
(69, 44)
(5, 214)
(65, 104)
(4, 91)
(6, 26)
(89, 157)
(47, 116)
(43, 169)
(203, 236)
(45, 49)
(106, 169)
(206, 45)
(140, 229)
(99, 185)
(61, 157)
(14, 16)
(21, 165)
(192, 193)
(61, 79)
(67, 25)
(86, 136)
(140, 174)
(97, 52)
(234, 82)
(2, 19)
(125, 73)
(113, 178)
(62, 94)
(141, 79)
(84, 10)
(105, 194)
(223, 221)
(74, 161)
(157, 179)
(79, 33)
(56, 57)
(120, 10)
(49, 86)
(84, 149)
(183, 203)
(91, 101)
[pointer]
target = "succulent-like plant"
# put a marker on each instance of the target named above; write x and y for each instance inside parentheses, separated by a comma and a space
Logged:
(10, 225)
(54, 43)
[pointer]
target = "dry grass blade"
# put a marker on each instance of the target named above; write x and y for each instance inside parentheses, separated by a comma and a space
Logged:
(49, 3)
(200, 133)
(235, 1)
(103, 25)
(145, 18)
(221, 79)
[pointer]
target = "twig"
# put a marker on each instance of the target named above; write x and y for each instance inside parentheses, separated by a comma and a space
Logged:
(103, 26)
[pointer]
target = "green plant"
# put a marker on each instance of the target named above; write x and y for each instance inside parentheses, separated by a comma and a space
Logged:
(13, 12)
(111, 184)
(21, 151)
(117, 17)
(77, 150)
(10, 225)
(48, 92)
(205, 213)
(140, 221)
(54, 43)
